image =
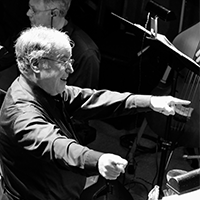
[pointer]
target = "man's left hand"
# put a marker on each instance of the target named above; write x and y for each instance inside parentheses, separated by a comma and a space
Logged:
(166, 104)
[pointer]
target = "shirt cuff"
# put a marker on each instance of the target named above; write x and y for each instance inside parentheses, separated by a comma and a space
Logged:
(138, 101)
(91, 163)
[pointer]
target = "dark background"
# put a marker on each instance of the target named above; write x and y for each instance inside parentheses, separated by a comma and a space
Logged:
(119, 42)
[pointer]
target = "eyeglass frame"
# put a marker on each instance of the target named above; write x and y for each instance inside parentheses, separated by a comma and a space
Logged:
(64, 63)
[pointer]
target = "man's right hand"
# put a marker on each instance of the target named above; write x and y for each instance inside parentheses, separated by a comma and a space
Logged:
(111, 166)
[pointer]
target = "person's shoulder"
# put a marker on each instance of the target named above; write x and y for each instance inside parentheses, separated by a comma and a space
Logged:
(80, 37)
(20, 91)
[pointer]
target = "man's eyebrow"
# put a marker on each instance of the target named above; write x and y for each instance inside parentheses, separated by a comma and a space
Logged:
(63, 56)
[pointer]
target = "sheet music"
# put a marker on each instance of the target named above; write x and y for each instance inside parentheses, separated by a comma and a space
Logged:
(143, 29)
(165, 41)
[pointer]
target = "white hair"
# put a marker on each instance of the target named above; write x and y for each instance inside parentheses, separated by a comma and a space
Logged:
(38, 42)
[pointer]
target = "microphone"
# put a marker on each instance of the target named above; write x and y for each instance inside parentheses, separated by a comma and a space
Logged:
(53, 14)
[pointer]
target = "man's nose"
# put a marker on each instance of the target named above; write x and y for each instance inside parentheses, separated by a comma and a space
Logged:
(29, 12)
(69, 69)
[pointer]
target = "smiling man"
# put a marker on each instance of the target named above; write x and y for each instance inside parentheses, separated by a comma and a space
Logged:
(52, 14)
(41, 154)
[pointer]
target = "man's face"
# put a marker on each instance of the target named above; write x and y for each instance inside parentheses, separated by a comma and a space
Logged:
(38, 14)
(54, 73)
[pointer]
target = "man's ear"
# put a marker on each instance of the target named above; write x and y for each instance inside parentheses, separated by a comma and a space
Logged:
(55, 12)
(35, 65)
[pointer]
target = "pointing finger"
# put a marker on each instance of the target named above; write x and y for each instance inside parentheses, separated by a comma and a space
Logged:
(180, 101)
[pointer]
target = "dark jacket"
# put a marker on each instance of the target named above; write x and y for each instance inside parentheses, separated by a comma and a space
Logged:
(41, 155)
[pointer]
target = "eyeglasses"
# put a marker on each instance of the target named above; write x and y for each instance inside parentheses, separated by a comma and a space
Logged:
(63, 63)
(35, 11)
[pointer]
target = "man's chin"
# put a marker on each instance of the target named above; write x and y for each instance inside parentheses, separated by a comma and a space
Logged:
(32, 24)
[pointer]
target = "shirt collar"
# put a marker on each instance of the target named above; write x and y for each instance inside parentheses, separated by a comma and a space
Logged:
(36, 90)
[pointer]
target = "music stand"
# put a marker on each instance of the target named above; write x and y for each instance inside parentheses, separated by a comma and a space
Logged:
(161, 41)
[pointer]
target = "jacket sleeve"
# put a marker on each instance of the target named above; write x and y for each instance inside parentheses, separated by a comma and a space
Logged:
(98, 104)
(76, 157)
(43, 139)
